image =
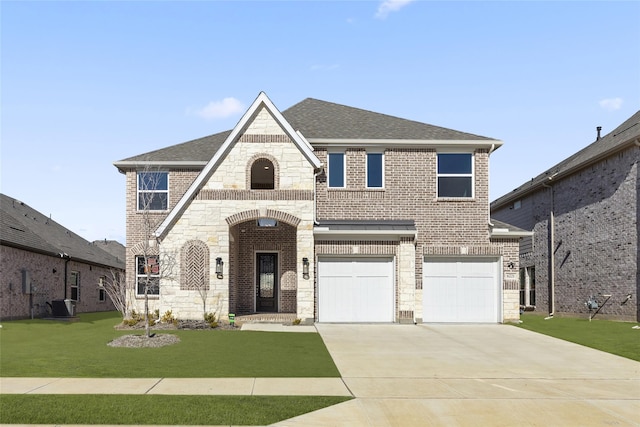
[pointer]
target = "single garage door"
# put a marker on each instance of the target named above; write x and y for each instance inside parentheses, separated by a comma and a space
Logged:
(461, 290)
(355, 290)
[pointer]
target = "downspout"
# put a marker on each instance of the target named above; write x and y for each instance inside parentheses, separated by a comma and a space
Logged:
(66, 259)
(315, 190)
(491, 150)
(551, 244)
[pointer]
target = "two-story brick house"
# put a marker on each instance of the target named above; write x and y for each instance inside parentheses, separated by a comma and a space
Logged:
(329, 212)
(584, 215)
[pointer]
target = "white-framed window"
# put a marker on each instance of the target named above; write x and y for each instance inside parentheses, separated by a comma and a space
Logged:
(102, 296)
(375, 170)
(337, 176)
(455, 175)
(148, 275)
(153, 191)
(74, 284)
(528, 286)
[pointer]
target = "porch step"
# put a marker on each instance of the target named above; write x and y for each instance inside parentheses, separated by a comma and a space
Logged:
(282, 318)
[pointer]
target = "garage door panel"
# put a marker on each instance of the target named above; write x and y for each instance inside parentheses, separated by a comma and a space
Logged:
(460, 290)
(355, 290)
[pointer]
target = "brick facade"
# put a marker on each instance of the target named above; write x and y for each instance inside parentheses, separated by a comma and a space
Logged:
(595, 248)
(224, 211)
(47, 274)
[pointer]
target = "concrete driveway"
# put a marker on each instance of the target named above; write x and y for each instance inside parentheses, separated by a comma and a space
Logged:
(474, 375)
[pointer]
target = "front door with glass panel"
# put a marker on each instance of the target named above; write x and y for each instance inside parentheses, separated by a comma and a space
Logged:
(266, 282)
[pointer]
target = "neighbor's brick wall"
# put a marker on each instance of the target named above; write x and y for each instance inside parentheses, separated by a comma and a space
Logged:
(47, 284)
(596, 237)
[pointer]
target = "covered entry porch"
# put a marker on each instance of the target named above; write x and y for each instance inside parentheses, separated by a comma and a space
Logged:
(265, 264)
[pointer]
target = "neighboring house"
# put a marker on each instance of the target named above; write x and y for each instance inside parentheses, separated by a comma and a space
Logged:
(42, 264)
(328, 212)
(584, 214)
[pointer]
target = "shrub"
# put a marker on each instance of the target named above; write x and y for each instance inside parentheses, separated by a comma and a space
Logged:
(168, 318)
(210, 318)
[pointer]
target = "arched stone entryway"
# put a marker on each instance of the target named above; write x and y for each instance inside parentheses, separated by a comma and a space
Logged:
(262, 262)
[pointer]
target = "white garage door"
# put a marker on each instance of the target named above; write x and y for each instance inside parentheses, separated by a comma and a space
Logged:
(355, 290)
(461, 290)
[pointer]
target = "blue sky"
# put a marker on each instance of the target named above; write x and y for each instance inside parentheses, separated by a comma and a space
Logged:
(84, 84)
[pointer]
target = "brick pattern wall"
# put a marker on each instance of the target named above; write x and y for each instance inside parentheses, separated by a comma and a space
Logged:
(596, 238)
(410, 192)
(47, 284)
(252, 239)
(140, 225)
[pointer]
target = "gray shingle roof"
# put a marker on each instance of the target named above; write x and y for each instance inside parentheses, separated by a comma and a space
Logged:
(623, 135)
(321, 119)
(318, 120)
(23, 227)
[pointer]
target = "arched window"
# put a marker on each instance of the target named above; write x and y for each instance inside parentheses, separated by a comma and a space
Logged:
(195, 266)
(262, 175)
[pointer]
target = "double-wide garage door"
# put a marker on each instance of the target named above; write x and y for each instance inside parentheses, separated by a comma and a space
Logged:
(461, 290)
(355, 290)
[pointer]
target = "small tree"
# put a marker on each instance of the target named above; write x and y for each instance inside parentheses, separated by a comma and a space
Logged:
(116, 289)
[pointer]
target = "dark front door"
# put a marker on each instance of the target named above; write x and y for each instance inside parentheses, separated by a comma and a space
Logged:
(267, 282)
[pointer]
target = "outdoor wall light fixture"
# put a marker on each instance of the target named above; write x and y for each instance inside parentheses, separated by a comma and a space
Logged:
(305, 268)
(511, 265)
(219, 264)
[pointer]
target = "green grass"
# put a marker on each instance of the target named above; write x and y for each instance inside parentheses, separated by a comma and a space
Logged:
(44, 348)
(146, 409)
(613, 337)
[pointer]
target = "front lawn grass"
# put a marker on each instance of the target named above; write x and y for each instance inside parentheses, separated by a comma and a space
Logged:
(613, 337)
(45, 348)
(158, 409)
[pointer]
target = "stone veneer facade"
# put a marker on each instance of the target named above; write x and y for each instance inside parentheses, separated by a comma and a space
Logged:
(224, 212)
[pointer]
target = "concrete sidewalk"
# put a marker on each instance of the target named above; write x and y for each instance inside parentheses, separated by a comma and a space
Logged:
(178, 386)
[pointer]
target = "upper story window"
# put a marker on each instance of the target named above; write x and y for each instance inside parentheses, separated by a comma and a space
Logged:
(375, 170)
(336, 170)
(262, 175)
(153, 191)
(455, 175)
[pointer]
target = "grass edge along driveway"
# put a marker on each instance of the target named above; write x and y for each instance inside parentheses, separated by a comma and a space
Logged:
(157, 409)
(610, 336)
(44, 348)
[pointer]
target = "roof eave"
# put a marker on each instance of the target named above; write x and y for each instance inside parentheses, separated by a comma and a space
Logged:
(510, 234)
(492, 144)
(326, 233)
(520, 192)
(125, 165)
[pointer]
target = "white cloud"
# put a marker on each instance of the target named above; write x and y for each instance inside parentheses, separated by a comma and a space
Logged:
(388, 6)
(220, 109)
(611, 104)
